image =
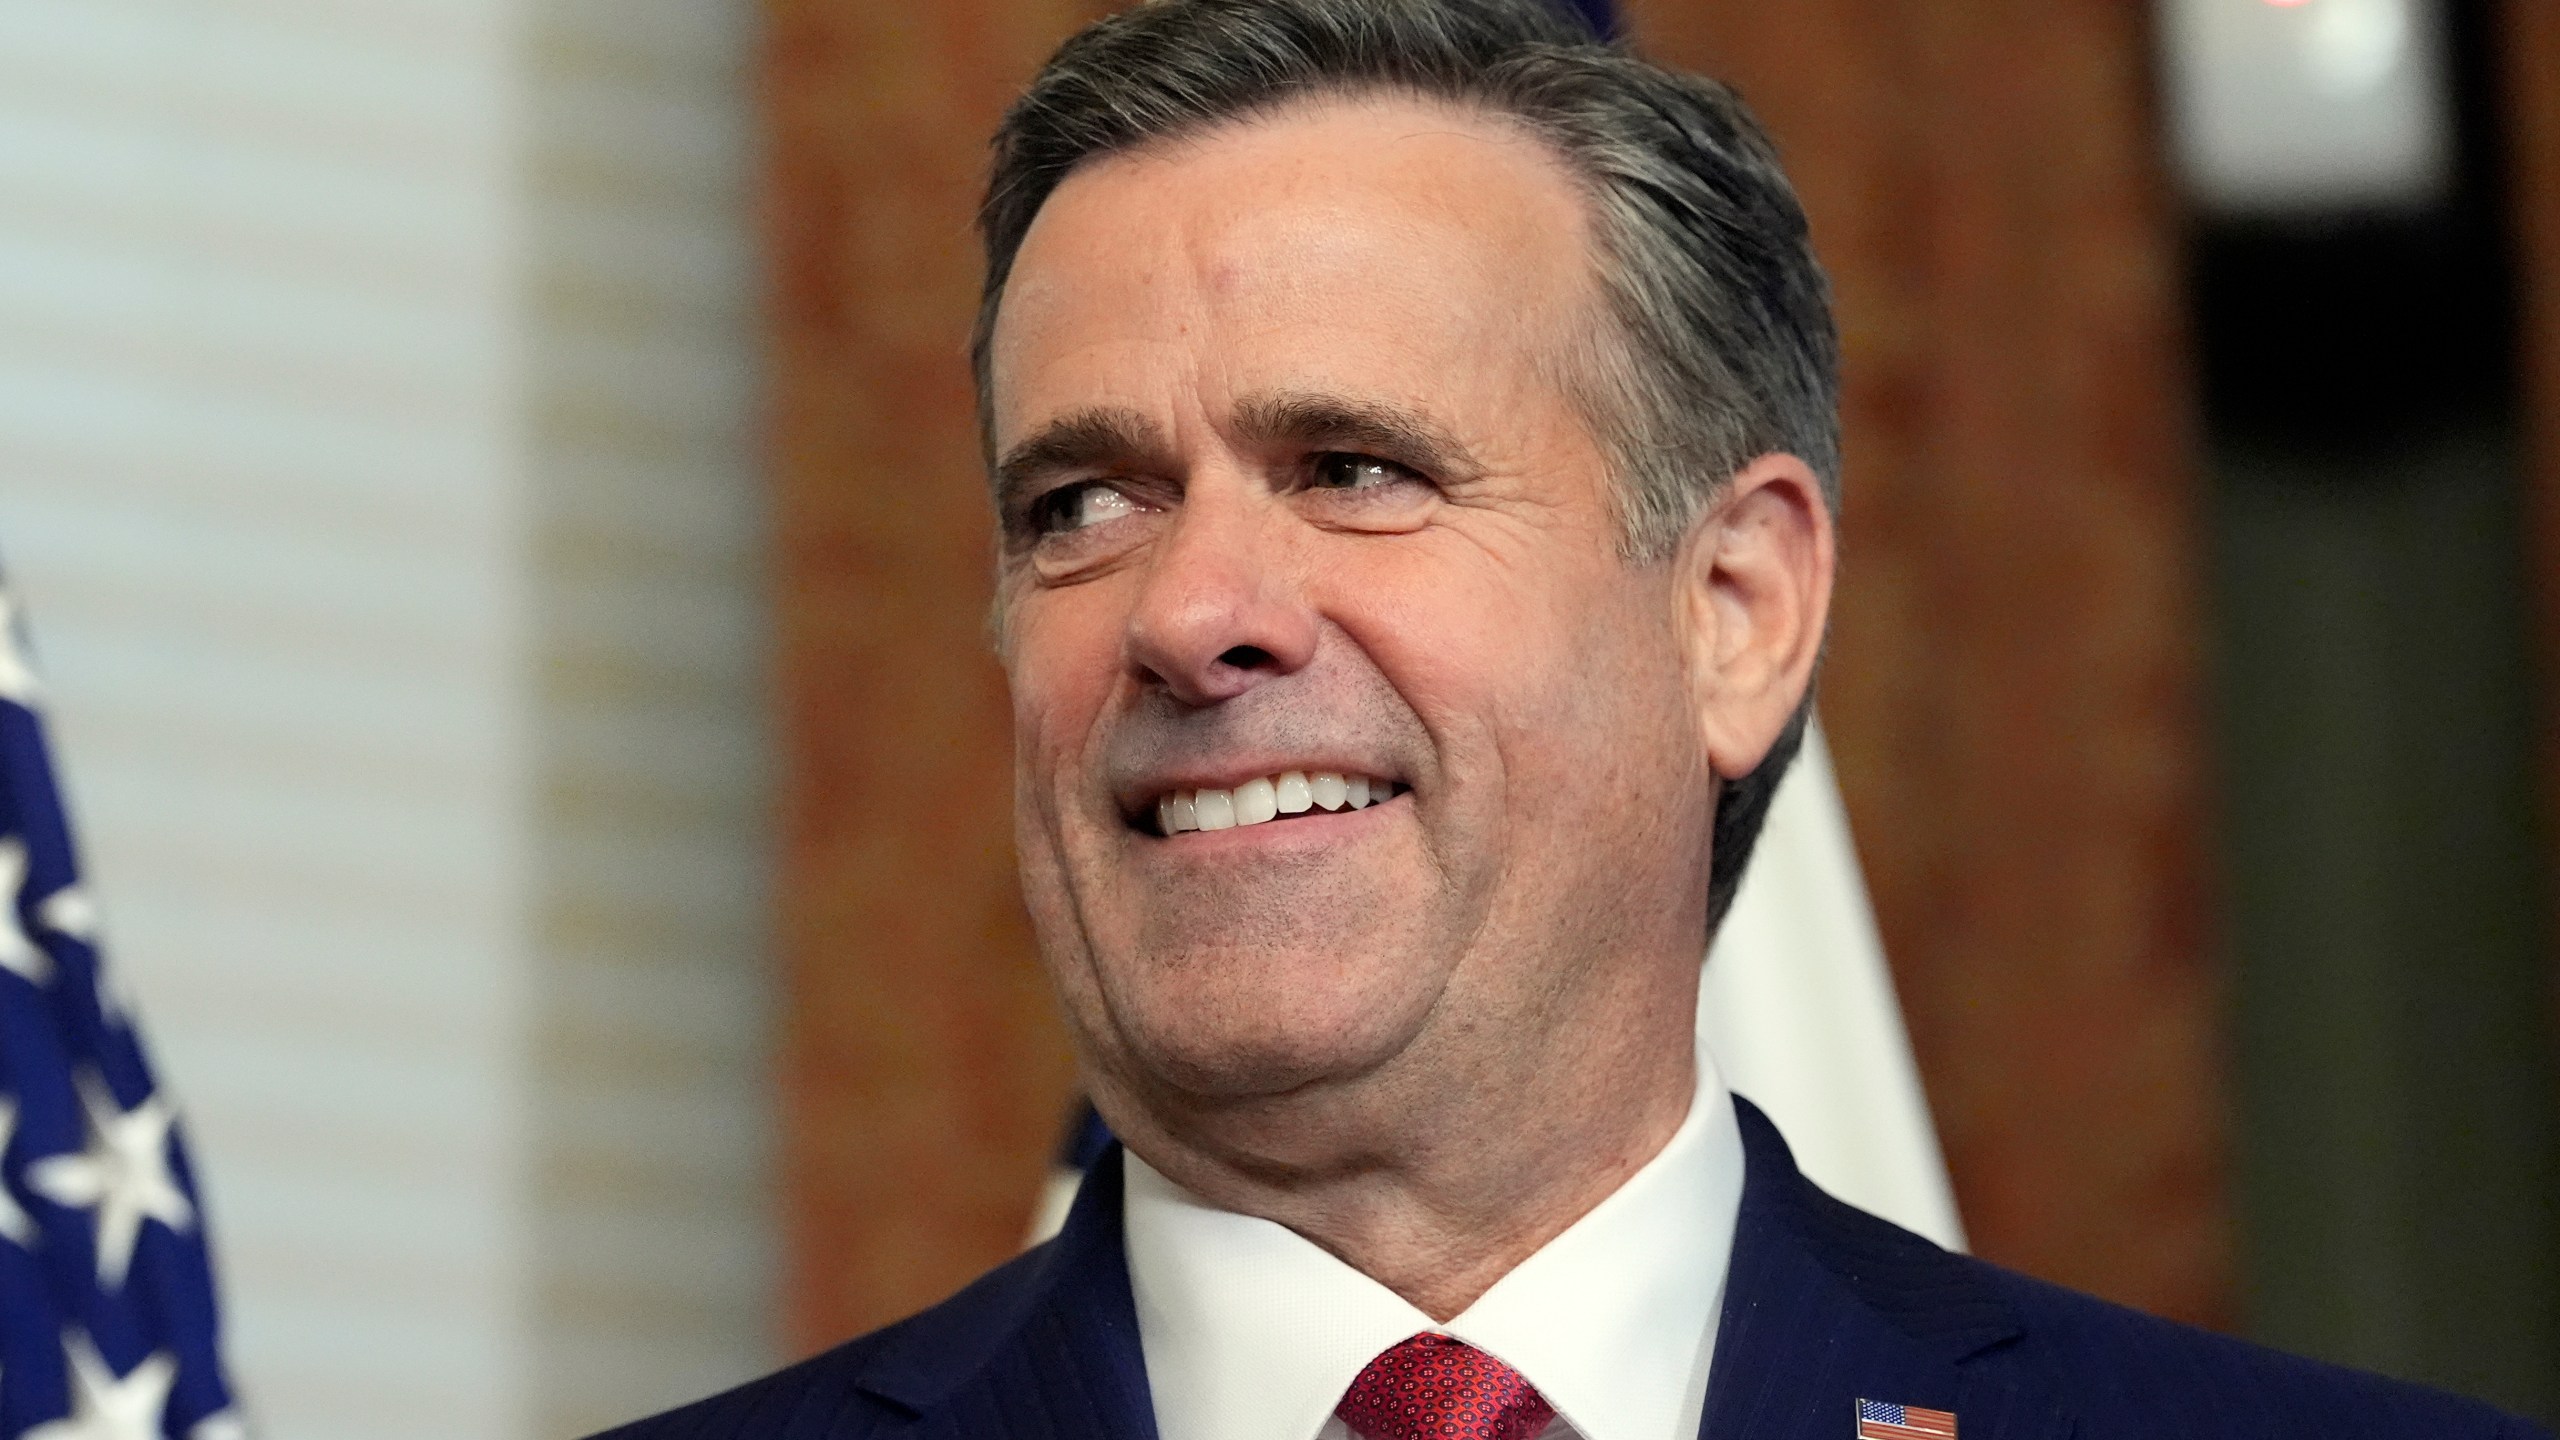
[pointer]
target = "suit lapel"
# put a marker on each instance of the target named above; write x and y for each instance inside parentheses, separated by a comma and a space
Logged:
(1826, 1305)
(1054, 1356)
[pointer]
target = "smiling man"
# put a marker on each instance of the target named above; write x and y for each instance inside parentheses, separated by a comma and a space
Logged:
(1414, 444)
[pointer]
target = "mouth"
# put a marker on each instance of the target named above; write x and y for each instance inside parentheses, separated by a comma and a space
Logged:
(1268, 799)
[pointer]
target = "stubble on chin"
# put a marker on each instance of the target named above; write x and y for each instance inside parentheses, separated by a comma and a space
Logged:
(1306, 971)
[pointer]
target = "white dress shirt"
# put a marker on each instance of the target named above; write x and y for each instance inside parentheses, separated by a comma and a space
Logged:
(1252, 1332)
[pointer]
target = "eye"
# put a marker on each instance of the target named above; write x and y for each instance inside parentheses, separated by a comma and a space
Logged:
(1339, 470)
(1079, 506)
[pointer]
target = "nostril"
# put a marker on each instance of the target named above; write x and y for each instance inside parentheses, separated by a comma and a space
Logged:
(1247, 657)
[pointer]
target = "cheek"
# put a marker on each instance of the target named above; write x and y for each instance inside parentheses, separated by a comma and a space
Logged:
(1562, 685)
(1468, 639)
(1061, 655)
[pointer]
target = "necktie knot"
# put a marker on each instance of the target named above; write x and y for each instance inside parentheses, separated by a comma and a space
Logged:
(1434, 1387)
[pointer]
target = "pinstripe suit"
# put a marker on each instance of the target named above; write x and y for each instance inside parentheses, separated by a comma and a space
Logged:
(1824, 1305)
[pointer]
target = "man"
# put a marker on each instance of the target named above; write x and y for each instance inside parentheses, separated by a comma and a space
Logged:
(1414, 442)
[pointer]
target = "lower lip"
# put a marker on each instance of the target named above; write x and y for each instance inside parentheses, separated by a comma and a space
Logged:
(1312, 826)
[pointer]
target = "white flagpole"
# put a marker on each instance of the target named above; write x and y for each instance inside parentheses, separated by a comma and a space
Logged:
(1797, 1006)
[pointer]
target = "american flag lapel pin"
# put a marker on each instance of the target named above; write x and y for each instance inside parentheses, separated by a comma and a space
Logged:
(1878, 1420)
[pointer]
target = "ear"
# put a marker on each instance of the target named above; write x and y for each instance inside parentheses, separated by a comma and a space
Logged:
(1755, 593)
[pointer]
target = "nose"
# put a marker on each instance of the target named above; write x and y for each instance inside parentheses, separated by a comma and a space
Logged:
(1220, 611)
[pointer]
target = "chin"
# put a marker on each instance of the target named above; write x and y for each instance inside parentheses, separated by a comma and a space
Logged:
(1228, 1025)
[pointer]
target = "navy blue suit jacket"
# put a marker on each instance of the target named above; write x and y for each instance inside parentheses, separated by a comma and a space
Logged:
(1824, 1305)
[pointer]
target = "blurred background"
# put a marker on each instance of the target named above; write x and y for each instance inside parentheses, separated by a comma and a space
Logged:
(492, 485)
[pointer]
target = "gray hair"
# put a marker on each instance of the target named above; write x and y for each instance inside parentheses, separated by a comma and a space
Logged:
(1721, 347)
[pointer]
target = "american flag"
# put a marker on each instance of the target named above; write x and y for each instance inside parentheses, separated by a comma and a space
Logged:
(107, 1324)
(1880, 1421)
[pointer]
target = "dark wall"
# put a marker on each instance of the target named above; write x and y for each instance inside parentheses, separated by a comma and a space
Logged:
(2373, 624)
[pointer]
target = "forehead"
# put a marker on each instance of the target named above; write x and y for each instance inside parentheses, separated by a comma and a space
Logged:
(1353, 243)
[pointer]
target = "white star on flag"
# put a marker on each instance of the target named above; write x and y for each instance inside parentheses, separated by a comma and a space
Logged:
(124, 1176)
(16, 1224)
(70, 912)
(106, 1406)
(18, 952)
(17, 677)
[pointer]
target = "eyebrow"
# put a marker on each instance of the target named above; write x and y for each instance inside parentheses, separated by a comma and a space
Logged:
(1115, 437)
(1333, 421)
(1098, 438)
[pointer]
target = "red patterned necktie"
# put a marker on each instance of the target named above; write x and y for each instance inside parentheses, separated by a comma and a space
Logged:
(1433, 1387)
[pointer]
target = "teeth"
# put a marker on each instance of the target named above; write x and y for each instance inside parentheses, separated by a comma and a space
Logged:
(1294, 796)
(1255, 801)
(1216, 810)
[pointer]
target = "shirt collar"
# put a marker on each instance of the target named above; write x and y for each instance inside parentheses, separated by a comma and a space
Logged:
(1252, 1332)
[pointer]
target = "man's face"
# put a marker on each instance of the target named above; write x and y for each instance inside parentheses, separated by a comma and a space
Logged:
(1290, 487)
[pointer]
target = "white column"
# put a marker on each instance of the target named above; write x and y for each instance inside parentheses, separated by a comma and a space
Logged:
(373, 388)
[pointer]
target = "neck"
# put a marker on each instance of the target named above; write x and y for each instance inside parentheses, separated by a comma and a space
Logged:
(1436, 1178)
